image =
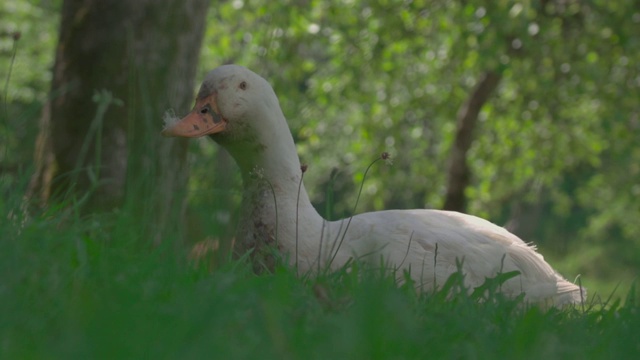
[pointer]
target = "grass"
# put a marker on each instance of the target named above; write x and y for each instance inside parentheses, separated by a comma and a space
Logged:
(93, 287)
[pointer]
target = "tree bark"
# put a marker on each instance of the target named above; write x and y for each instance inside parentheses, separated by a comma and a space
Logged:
(458, 173)
(119, 65)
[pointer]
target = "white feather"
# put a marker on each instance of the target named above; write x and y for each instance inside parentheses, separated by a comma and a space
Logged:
(169, 118)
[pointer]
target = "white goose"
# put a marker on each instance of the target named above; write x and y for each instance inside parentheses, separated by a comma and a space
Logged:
(240, 111)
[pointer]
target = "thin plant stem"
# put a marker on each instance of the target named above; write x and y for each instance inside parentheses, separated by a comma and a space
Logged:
(335, 241)
(501, 269)
(581, 293)
(275, 204)
(406, 253)
(364, 177)
(329, 201)
(303, 169)
(320, 247)
(422, 282)
(104, 99)
(14, 51)
(435, 265)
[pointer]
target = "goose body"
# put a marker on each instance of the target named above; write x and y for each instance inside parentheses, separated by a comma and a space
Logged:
(240, 111)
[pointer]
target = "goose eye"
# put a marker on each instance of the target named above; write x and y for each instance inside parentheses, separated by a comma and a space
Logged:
(205, 109)
(243, 85)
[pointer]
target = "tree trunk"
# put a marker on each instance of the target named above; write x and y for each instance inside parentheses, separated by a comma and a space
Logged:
(119, 65)
(459, 174)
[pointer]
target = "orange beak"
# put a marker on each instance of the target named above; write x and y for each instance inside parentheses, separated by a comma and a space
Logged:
(204, 119)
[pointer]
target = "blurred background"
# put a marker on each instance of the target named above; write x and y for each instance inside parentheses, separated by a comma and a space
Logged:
(526, 113)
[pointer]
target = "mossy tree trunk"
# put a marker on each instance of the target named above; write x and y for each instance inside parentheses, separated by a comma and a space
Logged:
(119, 65)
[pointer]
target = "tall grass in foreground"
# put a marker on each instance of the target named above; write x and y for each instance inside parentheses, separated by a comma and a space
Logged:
(90, 287)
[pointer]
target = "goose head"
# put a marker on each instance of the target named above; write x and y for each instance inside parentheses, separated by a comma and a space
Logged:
(240, 111)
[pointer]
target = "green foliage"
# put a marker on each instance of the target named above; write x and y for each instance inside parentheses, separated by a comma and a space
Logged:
(27, 47)
(36, 22)
(89, 288)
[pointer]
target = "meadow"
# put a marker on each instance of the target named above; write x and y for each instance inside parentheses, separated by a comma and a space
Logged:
(75, 286)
